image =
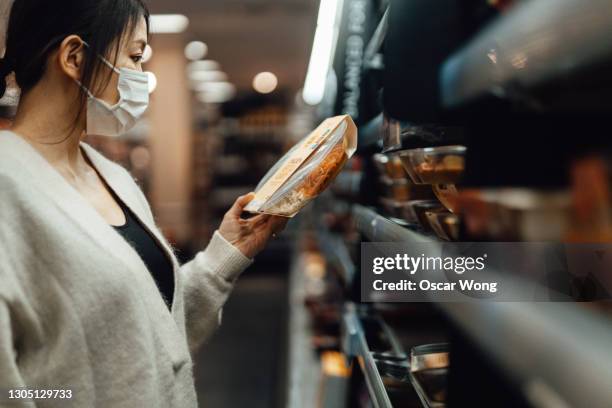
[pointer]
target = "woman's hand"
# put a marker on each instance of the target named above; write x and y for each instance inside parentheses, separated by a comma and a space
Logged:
(249, 236)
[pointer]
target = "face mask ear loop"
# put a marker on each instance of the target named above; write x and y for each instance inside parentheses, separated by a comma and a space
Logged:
(105, 61)
(111, 66)
(89, 94)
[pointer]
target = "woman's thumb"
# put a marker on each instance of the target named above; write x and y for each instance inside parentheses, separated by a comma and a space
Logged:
(241, 202)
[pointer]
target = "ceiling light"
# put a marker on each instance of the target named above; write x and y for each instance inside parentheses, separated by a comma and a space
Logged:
(265, 82)
(323, 47)
(216, 96)
(204, 65)
(207, 76)
(168, 23)
(216, 92)
(196, 50)
(220, 87)
(152, 82)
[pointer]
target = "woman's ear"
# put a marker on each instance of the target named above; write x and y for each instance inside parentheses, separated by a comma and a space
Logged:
(71, 55)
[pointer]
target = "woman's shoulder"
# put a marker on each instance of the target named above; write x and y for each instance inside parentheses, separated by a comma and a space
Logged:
(12, 148)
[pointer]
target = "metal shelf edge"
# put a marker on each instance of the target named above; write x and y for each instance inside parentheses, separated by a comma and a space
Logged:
(534, 42)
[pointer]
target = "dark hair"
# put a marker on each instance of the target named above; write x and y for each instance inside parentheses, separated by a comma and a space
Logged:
(36, 28)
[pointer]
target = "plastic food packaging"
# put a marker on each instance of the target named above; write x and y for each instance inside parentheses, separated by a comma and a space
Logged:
(307, 169)
(436, 165)
(429, 366)
(422, 207)
(389, 166)
(444, 224)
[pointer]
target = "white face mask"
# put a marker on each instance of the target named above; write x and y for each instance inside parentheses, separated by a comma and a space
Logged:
(113, 121)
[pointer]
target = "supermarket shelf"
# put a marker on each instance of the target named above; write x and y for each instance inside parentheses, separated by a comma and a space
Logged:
(542, 343)
(541, 340)
(536, 42)
(423, 396)
(379, 229)
(355, 345)
(335, 250)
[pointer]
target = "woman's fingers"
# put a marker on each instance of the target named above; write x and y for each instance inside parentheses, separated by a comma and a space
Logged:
(240, 203)
(259, 220)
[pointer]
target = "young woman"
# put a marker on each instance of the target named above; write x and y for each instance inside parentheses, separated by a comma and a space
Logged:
(92, 300)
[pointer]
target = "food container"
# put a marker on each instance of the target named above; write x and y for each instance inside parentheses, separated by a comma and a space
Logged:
(420, 209)
(444, 224)
(401, 211)
(307, 169)
(400, 135)
(429, 371)
(391, 207)
(389, 166)
(448, 196)
(396, 189)
(515, 214)
(391, 134)
(405, 190)
(435, 165)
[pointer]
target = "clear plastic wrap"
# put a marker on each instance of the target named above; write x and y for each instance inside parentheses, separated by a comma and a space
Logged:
(312, 176)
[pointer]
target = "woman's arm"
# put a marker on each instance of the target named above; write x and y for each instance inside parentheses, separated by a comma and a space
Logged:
(207, 282)
(10, 377)
(210, 277)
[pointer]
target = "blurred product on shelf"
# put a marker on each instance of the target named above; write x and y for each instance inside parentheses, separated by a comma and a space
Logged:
(401, 210)
(422, 208)
(448, 195)
(515, 214)
(429, 369)
(389, 166)
(592, 200)
(397, 136)
(435, 165)
(307, 169)
(396, 189)
(444, 224)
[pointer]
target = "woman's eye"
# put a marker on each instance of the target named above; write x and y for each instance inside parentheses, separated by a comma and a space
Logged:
(137, 58)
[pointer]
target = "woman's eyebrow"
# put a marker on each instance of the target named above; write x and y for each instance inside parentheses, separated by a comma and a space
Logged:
(142, 43)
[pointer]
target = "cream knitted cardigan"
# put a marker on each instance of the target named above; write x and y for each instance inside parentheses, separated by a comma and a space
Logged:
(78, 308)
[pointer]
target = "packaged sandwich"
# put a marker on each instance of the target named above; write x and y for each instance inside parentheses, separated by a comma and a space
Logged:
(307, 169)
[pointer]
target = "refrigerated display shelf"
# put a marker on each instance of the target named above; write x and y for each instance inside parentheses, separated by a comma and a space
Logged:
(423, 395)
(380, 229)
(535, 42)
(355, 345)
(335, 250)
(541, 340)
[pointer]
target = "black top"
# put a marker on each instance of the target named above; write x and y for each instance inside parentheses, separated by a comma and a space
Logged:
(150, 251)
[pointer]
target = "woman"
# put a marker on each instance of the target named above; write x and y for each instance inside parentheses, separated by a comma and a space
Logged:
(92, 299)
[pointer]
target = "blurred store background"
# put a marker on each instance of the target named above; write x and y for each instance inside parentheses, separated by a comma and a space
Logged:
(479, 120)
